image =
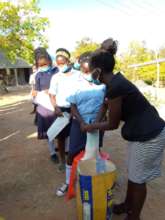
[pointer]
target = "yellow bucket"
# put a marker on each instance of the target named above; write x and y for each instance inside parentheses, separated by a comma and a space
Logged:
(96, 178)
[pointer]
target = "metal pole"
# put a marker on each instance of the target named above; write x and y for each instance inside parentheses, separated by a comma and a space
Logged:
(157, 74)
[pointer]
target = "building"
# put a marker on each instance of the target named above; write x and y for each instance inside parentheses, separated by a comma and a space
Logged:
(14, 74)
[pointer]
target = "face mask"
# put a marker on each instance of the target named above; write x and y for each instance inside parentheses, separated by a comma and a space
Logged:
(64, 68)
(88, 77)
(96, 81)
(44, 69)
(76, 66)
(97, 77)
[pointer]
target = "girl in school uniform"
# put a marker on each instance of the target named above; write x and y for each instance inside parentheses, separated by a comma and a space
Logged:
(61, 87)
(45, 115)
(86, 101)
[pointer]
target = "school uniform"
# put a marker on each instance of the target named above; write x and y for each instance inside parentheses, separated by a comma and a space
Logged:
(45, 117)
(88, 97)
(61, 87)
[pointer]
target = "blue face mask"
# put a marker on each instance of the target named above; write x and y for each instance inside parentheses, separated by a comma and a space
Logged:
(76, 66)
(44, 69)
(96, 81)
(88, 77)
(64, 68)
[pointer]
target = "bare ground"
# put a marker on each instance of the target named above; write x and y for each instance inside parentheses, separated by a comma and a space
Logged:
(28, 178)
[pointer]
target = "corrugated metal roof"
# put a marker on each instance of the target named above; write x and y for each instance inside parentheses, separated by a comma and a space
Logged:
(6, 63)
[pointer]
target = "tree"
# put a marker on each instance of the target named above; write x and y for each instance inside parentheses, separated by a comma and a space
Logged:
(137, 53)
(84, 45)
(21, 26)
(162, 65)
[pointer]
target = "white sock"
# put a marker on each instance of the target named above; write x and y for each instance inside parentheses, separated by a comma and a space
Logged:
(68, 171)
(51, 146)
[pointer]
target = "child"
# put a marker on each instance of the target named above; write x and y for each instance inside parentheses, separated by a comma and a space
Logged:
(32, 84)
(45, 116)
(60, 89)
(86, 102)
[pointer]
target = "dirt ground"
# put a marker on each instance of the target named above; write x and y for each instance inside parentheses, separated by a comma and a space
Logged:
(28, 178)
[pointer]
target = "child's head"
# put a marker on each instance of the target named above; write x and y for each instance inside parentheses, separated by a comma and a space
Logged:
(42, 58)
(62, 57)
(43, 61)
(84, 62)
(63, 60)
(38, 51)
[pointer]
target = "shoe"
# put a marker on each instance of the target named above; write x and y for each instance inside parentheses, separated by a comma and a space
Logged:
(128, 217)
(61, 167)
(32, 112)
(54, 158)
(62, 190)
(120, 209)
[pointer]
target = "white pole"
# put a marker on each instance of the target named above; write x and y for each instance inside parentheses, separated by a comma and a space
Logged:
(157, 74)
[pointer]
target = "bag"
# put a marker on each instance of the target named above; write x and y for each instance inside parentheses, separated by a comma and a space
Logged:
(92, 145)
(58, 125)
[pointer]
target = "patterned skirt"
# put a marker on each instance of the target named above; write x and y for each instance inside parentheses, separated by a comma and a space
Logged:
(145, 159)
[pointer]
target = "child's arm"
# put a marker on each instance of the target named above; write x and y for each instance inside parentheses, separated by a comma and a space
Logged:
(36, 86)
(58, 111)
(52, 94)
(77, 115)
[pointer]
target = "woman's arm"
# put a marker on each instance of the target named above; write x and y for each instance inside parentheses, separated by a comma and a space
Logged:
(101, 114)
(114, 117)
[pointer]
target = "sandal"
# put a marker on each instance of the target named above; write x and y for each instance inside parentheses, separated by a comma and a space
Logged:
(62, 190)
(54, 158)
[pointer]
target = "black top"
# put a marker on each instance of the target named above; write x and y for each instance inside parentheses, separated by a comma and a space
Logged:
(142, 121)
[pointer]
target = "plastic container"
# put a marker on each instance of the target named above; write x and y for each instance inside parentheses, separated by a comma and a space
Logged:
(94, 189)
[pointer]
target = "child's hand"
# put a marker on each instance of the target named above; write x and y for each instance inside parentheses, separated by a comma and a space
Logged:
(34, 93)
(106, 101)
(82, 126)
(58, 112)
(47, 91)
(86, 127)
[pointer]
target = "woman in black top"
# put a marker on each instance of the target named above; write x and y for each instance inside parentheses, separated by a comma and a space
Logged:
(143, 128)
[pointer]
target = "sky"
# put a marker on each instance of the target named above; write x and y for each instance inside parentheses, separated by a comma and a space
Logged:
(124, 20)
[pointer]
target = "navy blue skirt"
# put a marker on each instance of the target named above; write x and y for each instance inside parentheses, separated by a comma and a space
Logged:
(78, 139)
(45, 118)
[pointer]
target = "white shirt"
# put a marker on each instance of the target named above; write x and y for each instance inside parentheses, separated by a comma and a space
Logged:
(62, 86)
(32, 78)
